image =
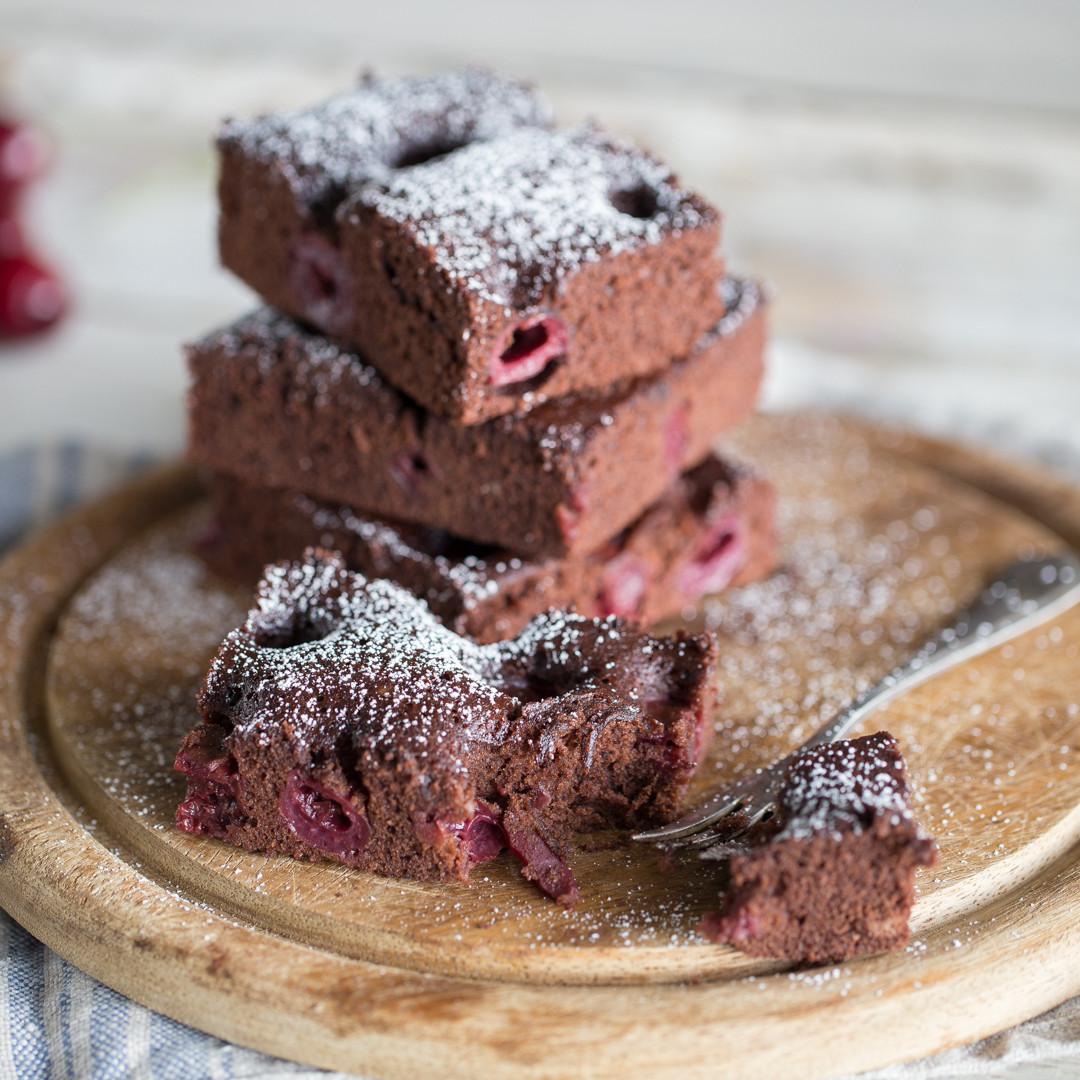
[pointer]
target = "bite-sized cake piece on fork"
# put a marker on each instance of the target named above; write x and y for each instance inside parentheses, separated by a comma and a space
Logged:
(278, 406)
(832, 875)
(478, 259)
(342, 721)
(713, 528)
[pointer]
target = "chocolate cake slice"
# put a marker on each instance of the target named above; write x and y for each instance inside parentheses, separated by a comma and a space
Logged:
(277, 406)
(538, 264)
(342, 721)
(476, 258)
(713, 528)
(832, 874)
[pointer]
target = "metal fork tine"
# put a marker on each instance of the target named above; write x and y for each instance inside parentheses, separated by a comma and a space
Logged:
(676, 834)
(737, 845)
(707, 839)
(751, 794)
(727, 831)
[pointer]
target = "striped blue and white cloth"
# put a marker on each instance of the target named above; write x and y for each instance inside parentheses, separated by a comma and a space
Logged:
(58, 1024)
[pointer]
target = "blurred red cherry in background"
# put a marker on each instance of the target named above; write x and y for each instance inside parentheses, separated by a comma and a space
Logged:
(12, 236)
(24, 154)
(32, 297)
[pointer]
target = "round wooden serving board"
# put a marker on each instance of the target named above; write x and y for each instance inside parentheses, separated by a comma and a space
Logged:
(107, 623)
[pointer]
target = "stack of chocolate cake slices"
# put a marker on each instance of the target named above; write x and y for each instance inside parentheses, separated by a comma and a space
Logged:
(494, 363)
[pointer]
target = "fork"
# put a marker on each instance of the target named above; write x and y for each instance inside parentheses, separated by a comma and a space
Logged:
(1025, 594)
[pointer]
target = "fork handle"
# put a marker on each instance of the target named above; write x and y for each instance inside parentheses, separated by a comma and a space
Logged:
(1025, 594)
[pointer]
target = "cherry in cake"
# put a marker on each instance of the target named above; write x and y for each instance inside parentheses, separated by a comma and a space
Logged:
(342, 721)
(832, 874)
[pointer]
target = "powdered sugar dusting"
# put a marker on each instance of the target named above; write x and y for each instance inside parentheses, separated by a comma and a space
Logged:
(322, 367)
(325, 651)
(845, 785)
(509, 218)
(363, 134)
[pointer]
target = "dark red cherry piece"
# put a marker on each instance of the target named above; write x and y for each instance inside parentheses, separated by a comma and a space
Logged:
(324, 818)
(715, 561)
(31, 297)
(541, 865)
(212, 803)
(322, 282)
(526, 349)
(482, 835)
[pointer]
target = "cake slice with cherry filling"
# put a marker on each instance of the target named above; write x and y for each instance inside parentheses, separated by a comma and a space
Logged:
(342, 721)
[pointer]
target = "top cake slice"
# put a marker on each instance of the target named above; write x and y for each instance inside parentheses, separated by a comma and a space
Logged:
(499, 268)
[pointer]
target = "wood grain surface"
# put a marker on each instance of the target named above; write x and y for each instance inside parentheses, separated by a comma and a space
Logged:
(108, 624)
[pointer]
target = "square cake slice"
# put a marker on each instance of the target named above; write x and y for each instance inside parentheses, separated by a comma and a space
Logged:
(342, 721)
(832, 874)
(478, 259)
(713, 528)
(535, 265)
(278, 406)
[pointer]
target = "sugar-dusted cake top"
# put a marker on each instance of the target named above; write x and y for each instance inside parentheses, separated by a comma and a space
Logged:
(845, 785)
(511, 216)
(326, 652)
(384, 124)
